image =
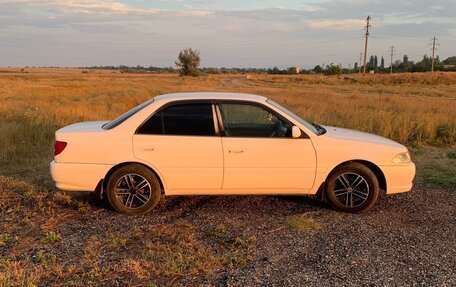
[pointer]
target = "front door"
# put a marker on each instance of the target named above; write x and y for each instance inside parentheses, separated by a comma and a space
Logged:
(259, 152)
(181, 143)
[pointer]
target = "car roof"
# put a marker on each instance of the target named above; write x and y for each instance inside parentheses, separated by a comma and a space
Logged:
(210, 96)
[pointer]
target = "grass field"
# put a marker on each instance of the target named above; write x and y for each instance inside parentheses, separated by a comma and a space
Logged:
(416, 110)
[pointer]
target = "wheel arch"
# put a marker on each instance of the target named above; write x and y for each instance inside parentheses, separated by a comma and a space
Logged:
(372, 166)
(117, 166)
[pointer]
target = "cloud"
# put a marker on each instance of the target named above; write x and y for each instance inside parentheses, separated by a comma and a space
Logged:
(342, 24)
(85, 7)
(311, 8)
(110, 29)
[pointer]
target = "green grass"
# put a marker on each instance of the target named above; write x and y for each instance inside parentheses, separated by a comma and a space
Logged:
(5, 238)
(302, 223)
(39, 257)
(435, 165)
(116, 242)
(51, 238)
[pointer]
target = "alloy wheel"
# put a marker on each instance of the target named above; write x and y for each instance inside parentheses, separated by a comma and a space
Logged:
(133, 191)
(351, 189)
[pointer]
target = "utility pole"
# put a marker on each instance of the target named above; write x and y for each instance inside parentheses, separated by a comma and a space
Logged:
(360, 59)
(391, 54)
(434, 40)
(365, 44)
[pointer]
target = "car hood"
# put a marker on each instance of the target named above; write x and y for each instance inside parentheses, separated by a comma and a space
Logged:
(358, 136)
(83, 127)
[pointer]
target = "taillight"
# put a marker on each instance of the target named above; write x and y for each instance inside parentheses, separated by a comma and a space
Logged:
(59, 147)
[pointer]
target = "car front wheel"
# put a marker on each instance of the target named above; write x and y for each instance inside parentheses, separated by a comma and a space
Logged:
(133, 190)
(352, 188)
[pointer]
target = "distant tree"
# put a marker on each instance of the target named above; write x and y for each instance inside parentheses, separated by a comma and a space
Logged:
(276, 71)
(188, 62)
(333, 70)
(318, 69)
(450, 61)
(405, 59)
(405, 66)
(356, 66)
(382, 63)
(425, 64)
(375, 61)
(370, 64)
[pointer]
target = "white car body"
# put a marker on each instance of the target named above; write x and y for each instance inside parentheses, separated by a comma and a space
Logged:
(214, 165)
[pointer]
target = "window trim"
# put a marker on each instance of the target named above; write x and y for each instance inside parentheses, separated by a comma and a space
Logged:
(178, 103)
(257, 104)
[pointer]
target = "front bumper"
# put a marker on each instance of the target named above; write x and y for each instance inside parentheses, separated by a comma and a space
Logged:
(75, 176)
(399, 178)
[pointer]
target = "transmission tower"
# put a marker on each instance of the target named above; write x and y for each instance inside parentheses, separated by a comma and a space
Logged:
(365, 44)
(434, 43)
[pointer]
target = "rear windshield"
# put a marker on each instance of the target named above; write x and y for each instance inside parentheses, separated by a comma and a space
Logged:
(114, 123)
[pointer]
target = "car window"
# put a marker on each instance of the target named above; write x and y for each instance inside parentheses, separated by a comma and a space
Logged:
(244, 120)
(153, 126)
(308, 125)
(114, 123)
(184, 119)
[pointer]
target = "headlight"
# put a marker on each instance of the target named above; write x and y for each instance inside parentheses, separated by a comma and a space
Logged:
(403, 157)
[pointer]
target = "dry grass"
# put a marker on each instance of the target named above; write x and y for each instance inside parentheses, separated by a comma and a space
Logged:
(36, 250)
(411, 108)
(36, 253)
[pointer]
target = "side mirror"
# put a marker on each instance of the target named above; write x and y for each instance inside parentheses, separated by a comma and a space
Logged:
(296, 132)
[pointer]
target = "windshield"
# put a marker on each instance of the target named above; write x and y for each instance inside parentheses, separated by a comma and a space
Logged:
(114, 123)
(308, 125)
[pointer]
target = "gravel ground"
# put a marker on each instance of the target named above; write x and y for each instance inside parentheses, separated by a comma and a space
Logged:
(406, 239)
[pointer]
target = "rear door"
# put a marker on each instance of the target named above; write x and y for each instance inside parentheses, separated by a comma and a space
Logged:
(181, 142)
(259, 152)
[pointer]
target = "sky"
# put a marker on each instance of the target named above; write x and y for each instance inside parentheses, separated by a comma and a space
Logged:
(228, 33)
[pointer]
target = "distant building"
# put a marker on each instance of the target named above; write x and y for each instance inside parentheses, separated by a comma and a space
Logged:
(294, 70)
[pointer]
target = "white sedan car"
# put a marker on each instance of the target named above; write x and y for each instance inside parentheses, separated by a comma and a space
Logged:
(225, 143)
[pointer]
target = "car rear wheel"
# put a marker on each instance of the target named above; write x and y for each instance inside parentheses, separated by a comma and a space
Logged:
(352, 188)
(133, 189)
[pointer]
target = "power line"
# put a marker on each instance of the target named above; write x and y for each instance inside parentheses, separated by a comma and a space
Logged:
(365, 44)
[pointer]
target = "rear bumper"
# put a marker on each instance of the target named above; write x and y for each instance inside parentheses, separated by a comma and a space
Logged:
(399, 178)
(79, 177)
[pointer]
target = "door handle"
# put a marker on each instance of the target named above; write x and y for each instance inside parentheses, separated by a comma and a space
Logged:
(148, 149)
(235, 151)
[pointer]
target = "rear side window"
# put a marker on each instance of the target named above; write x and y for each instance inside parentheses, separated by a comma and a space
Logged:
(114, 123)
(185, 119)
(153, 126)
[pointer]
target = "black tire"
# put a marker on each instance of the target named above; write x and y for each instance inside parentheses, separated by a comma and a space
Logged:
(133, 189)
(352, 187)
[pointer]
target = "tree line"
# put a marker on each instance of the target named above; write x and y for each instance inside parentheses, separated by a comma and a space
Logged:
(188, 62)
